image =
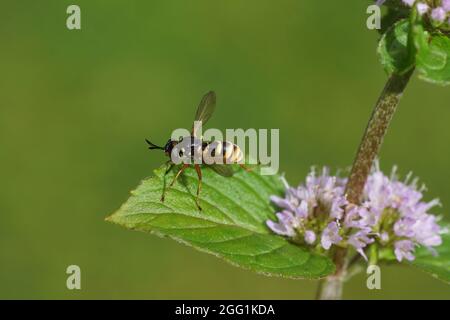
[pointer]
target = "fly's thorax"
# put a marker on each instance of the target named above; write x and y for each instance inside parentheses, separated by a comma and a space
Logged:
(187, 150)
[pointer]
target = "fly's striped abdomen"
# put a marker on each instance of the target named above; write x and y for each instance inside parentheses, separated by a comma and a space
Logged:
(222, 152)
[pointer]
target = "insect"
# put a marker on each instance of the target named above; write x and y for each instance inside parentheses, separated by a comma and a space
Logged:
(217, 155)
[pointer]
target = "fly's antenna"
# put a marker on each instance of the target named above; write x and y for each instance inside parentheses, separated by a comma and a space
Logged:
(153, 146)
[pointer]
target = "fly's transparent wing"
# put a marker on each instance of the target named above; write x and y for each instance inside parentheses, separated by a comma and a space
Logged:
(206, 107)
(205, 110)
(222, 169)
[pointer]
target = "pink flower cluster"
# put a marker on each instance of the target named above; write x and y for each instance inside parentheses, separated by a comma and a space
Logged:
(392, 215)
(438, 11)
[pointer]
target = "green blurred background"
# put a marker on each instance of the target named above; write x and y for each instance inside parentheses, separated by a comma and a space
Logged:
(75, 107)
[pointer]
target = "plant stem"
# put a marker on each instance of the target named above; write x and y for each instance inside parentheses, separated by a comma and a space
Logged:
(373, 254)
(373, 137)
(331, 288)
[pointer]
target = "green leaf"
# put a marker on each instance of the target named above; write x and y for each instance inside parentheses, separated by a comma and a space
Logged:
(437, 265)
(394, 13)
(407, 44)
(393, 51)
(433, 56)
(231, 224)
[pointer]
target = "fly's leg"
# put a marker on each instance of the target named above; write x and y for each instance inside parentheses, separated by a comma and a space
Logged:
(199, 187)
(184, 167)
(245, 168)
(171, 165)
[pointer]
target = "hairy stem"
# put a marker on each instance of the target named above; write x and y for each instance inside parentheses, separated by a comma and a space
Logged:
(373, 137)
(331, 288)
